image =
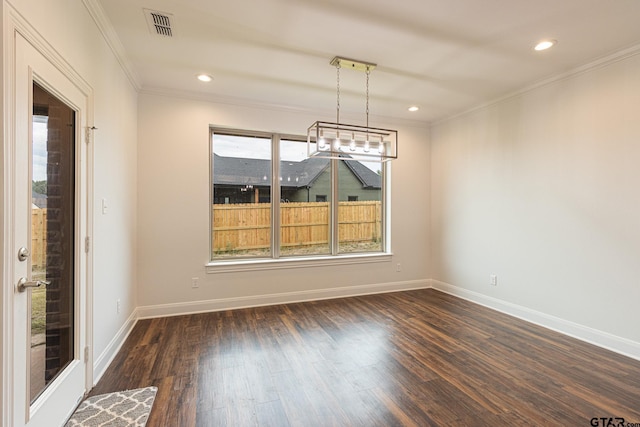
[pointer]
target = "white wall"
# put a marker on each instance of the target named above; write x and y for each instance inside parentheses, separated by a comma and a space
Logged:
(173, 203)
(542, 189)
(81, 44)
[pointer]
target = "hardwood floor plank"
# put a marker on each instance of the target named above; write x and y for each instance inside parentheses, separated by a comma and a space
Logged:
(295, 401)
(210, 386)
(402, 409)
(376, 413)
(271, 414)
(446, 404)
(417, 358)
(212, 418)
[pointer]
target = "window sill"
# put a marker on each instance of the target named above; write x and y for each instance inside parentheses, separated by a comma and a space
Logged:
(233, 266)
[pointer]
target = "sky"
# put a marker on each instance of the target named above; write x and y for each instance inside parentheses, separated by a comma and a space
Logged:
(39, 148)
(260, 148)
(227, 146)
(257, 148)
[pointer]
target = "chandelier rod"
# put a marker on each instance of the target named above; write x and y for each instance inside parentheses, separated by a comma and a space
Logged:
(367, 111)
(338, 92)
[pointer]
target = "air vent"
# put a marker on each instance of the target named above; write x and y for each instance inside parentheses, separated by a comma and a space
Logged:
(159, 22)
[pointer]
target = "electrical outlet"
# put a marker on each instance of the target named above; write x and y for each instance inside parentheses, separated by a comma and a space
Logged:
(194, 282)
(118, 306)
(398, 267)
(493, 280)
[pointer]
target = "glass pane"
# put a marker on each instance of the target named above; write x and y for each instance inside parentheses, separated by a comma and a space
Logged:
(359, 206)
(241, 171)
(305, 192)
(52, 239)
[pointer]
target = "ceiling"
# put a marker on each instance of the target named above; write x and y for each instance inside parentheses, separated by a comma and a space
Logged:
(444, 56)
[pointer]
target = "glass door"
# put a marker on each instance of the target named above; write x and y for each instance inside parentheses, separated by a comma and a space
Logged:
(49, 222)
(52, 239)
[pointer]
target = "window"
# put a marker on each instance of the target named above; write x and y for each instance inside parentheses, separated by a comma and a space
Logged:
(252, 218)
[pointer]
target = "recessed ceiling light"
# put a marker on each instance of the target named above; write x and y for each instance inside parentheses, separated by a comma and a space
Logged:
(204, 78)
(414, 108)
(544, 44)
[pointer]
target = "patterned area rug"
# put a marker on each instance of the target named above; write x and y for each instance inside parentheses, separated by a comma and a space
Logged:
(120, 409)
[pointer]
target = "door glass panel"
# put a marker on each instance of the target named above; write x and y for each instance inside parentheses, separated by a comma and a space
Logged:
(52, 239)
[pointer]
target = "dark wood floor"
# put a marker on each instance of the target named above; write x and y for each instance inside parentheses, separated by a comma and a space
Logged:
(413, 358)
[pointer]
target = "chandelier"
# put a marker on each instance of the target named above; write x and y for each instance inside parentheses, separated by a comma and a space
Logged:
(351, 142)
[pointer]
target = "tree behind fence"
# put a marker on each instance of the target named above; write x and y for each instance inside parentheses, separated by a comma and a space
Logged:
(241, 227)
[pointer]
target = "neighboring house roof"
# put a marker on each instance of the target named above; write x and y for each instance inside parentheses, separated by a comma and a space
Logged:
(367, 177)
(243, 171)
(39, 200)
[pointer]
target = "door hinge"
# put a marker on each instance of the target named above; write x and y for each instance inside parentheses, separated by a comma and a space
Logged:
(89, 133)
(87, 244)
(86, 354)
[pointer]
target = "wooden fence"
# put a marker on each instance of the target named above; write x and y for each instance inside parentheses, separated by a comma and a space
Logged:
(38, 237)
(242, 227)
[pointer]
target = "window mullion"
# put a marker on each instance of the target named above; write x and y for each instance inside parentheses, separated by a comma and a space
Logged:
(334, 207)
(384, 212)
(275, 196)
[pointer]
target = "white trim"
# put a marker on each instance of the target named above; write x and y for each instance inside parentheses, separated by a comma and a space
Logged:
(285, 108)
(14, 23)
(90, 165)
(7, 268)
(596, 337)
(62, 386)
(55, 387)
(113, 41)
(103, 361)
(233, 266)
(596, 64)
(192, 307)
(20, 25)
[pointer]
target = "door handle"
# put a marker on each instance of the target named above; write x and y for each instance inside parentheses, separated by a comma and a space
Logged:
(23, 284)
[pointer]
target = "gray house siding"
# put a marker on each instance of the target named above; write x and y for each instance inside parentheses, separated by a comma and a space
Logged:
(350, 185)
(321, 186)
(242, 180)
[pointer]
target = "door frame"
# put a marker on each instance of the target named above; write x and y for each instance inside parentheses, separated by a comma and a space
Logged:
(13, 25)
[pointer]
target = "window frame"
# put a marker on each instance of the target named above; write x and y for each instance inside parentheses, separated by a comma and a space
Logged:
(275, 260)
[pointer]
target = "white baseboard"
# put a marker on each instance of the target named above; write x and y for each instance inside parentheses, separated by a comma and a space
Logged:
(104, 360)
(611, 342)
(164, 310)
(602, 339)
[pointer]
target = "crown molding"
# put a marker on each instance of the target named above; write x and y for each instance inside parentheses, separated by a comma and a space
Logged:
(593, 65)
(113, 41)
(322, 113)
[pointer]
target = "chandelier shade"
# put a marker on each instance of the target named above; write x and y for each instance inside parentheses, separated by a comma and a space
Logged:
(351, 142)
